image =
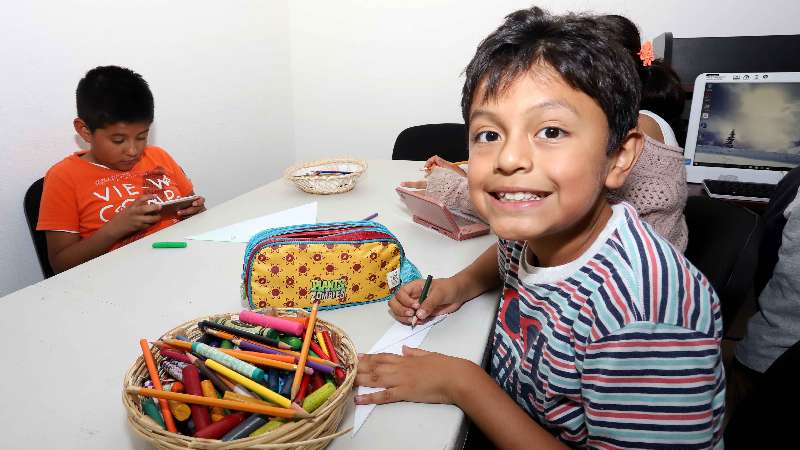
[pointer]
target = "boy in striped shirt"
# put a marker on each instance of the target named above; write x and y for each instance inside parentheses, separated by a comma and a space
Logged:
(606, 336)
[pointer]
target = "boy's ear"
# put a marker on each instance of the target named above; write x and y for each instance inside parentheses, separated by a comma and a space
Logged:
(621, 162)
(82, 129)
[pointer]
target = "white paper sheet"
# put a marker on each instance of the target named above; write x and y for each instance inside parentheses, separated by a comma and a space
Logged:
(392, 342)
(243, 231)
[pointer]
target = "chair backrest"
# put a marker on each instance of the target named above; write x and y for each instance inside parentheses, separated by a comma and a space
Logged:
(724, 241)
(31, 205)
(418, 143)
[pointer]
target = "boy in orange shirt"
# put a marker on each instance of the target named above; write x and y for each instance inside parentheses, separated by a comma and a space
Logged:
(101, 199)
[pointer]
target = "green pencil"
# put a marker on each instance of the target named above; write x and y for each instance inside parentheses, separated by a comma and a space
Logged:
(422, 296)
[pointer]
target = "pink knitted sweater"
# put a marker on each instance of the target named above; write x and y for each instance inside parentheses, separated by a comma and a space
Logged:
(656, 187)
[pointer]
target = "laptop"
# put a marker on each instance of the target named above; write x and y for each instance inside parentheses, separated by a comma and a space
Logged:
(744, 133)
(432, 213)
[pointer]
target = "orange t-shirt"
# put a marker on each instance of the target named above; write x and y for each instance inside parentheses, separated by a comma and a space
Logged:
(80, 196)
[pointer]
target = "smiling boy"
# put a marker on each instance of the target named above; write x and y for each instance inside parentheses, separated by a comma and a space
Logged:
(606, 336)
(101, 199)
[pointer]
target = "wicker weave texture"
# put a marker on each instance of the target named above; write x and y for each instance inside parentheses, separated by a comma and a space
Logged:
(304, 175)
(314, 433)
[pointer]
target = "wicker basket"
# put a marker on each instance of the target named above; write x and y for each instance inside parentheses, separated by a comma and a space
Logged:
(306, 434)
(305, 176)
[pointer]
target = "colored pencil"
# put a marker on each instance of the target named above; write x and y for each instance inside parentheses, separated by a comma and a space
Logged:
(227, 404)
(151, 368)
(370, 217)
(265, 360)
(321, 341)
(339, 372)
(422, 296)
(298, 374)
(259, 389)
(207, 373)
(267, 348)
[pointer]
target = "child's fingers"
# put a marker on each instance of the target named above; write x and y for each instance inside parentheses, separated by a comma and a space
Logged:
(421, 184)
(390, 395)
(400, 312)
(411, 351)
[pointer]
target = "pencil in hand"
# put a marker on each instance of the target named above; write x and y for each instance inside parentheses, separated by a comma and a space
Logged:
(422, 296)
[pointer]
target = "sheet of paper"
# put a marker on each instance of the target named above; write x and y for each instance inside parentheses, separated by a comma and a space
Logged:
(392, 342)
(243, 231)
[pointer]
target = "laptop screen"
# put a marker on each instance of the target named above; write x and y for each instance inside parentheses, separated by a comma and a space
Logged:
(749, 125)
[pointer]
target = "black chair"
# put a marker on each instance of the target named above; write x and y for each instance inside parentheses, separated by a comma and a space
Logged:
(31, 204)
(418, 143)
(724, 241)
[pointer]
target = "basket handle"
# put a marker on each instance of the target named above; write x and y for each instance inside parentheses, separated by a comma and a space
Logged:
(318, 440)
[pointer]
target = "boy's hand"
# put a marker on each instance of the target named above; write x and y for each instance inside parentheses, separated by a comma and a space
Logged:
(197, 206)
(135, 217)
(442, 299)
(417, 376)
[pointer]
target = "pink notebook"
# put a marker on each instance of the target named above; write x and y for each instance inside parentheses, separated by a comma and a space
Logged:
(432, 213)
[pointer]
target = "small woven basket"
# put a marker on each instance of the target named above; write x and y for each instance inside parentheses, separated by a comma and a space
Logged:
(306, 175)
(314, 433)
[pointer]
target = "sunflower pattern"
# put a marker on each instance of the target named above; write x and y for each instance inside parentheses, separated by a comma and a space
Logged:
(292, 275)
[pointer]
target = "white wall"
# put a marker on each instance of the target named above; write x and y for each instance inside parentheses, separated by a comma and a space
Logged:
(243, 88)
(218, 71)
(363, 71)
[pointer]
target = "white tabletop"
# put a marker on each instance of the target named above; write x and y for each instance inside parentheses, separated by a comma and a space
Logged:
(69, 340)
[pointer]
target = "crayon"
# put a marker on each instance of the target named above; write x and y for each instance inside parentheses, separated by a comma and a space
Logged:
(316, 349)
(269, 426)
(169, 244)
(339, 372)
(268, 340)
(273, 380)
(244, 429)
(317, 398)
(276, 323)
(298, 374)
(316, 382)
(173, 368)
(228, 361)
(151, 410)
(247, 327)
(294, 342)
(227, 404)
(179, 410)
(301, 394)
(177, 356)
(226, 344)
(191, 380)
(218, 429)
(151, 369)
(217, 413)
(259, 389)
(274, 357)
(321, 341)
(233, 396)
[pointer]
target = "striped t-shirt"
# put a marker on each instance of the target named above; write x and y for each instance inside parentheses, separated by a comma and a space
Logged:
(617, 349)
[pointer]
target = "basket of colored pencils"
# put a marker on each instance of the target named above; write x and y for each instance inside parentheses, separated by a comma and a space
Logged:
(270, 378)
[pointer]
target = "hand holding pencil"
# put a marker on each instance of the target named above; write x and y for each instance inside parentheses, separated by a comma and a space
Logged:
(409, 306)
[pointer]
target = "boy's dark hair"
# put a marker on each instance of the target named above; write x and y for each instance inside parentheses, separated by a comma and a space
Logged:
(661, 87)
(573, 46)
(111, 94)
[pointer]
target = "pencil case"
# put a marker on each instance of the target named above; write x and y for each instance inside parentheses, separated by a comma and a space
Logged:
(338, 263)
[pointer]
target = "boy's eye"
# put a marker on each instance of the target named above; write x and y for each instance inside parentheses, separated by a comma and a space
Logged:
(118, 141)
(487, 136)
(551, 133)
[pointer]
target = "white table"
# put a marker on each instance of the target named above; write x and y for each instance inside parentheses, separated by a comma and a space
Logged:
(68, 340)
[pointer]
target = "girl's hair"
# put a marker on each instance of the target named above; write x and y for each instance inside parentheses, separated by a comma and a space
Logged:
(661, 87)
(572, 46)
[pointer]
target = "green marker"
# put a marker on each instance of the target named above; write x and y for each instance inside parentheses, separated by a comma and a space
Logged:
(170, 244)
(151, 410)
